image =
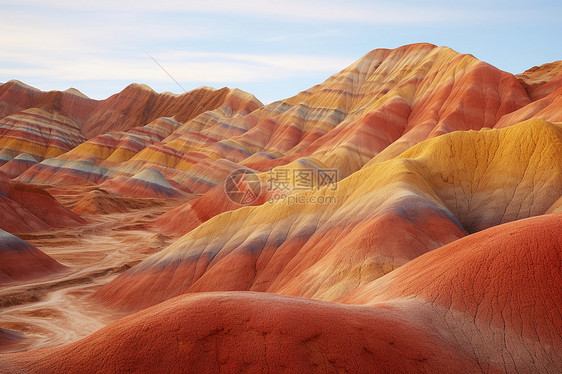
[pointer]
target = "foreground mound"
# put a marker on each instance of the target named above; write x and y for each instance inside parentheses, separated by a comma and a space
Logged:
(497, 292)
(27, 208)
(251, 332)
(20, 260)
(489, 303)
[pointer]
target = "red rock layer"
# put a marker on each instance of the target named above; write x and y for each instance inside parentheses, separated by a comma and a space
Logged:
(540, 81)
(372, 222)
(485, 303)
(376, 108)
(253, 333)
(27, 208)
(16, 97)
(136, 105)
(497, 290)
(20, 260)
(544, 86)
(9, 338)
(37, 134)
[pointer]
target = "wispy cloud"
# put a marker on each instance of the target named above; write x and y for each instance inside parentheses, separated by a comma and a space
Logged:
(271, 48)
(293, 62)
(334, 11)
(118, 51)
(207, 67)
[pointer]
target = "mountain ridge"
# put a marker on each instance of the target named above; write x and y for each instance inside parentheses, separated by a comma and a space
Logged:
(402, 215)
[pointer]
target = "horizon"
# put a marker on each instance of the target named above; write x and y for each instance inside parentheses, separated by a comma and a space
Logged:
(270, 52)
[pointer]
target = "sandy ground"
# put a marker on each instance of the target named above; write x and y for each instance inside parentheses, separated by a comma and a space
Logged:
(57, 310)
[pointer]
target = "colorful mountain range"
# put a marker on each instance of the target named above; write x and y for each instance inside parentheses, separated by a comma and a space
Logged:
(405, 215)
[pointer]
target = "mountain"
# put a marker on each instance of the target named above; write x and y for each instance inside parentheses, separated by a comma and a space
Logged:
(435, 193)
(28, 208)
(22, 261)
(425, 317)
(137, 104)
(402, 216)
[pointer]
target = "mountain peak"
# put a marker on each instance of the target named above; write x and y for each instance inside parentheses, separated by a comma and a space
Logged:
(21, 84)
(393, 185)
(139, 86)
(74, 91)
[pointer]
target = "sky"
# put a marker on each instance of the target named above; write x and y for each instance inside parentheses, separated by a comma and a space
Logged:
(272, 49)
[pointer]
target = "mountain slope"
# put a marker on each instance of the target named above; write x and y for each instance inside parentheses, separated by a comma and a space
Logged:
(402, 216)
(430, 195)
(21, 261)
(497, 291)
(422, 318)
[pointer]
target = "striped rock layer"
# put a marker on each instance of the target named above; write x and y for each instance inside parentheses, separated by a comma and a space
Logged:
(434, 249)
(434, 193)
(21, 261)
(28, 208)
(425, 317)
(386, 102)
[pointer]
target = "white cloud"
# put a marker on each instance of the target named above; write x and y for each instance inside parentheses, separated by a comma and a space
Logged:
(302, 63)
(62, 48)
(63, 31)
(186, 67)
(318, 10)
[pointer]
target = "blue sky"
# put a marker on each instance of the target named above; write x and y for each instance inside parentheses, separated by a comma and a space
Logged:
(272, 49)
